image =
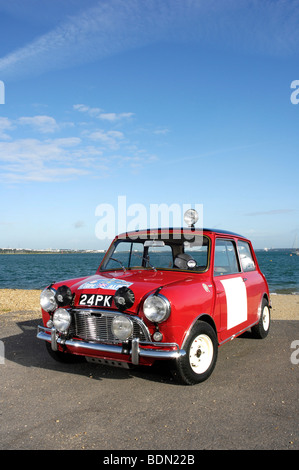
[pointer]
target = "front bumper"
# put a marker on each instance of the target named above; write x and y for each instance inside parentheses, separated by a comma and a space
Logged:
(135, 351)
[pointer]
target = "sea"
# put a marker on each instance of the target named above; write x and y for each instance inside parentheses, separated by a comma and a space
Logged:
(36, 271)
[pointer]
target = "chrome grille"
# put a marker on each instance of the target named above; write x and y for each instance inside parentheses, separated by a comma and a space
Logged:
(95, 325)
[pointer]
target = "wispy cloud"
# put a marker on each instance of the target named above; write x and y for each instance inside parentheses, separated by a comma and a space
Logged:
(110, 138)
(112, 117)
(115, 25)
(38, 158)
(107, 28)
(5, 126)
(44, 124)
(79, 224)
(83, 108)
(100, 114)
(271, 212)
(161, 131)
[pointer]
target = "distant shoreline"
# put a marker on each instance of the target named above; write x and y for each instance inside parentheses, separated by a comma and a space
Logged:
(22, 251)
(61, 252)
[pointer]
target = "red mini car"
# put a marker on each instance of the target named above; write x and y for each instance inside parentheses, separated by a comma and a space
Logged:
(165, 294)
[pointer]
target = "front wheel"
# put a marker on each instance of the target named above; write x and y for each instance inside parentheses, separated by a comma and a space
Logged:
(201, 355)
(65, 358)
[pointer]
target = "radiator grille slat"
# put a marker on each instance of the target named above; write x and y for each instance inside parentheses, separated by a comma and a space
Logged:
(96, 326)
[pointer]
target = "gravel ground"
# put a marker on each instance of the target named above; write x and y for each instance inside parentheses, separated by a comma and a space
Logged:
(249, 402)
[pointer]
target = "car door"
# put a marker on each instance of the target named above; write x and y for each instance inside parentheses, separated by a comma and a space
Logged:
(231, 292)
(252, 279)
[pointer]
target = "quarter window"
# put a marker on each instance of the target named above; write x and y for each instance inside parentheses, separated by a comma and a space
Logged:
(226, 260)
(246, 256)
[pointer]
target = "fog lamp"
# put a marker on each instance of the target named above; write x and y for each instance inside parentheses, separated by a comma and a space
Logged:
(122, 327)
(61, 320)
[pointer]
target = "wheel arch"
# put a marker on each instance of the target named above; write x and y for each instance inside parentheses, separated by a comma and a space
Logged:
(204, 317)
(266, 297)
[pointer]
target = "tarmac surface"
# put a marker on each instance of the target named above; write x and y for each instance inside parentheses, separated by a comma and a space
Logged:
(249, 402)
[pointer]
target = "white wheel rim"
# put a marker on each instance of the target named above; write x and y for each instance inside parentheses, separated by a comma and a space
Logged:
(201, 354)
(266, 318)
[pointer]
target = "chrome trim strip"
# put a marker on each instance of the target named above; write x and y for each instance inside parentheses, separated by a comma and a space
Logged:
(136, 351)
(237, 334)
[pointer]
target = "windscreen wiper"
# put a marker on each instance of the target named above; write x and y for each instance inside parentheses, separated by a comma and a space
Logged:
(117, 260)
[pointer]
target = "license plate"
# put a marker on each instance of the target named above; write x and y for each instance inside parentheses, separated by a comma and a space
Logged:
(95, 300)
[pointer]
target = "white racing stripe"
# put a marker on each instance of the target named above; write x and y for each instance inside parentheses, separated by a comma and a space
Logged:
(236, 301)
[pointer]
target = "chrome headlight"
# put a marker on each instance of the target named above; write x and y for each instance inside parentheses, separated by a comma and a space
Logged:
(122, 327)
(47, 300)
(156, 308)
(61, 320)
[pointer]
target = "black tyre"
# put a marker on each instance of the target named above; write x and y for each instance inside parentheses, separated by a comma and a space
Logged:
(261, 329)
(66, 358)
(201, 349)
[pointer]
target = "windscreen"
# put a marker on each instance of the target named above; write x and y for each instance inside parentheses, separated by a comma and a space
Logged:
(152, 254)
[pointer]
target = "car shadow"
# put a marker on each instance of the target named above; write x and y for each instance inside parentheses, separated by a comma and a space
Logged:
(26, 350)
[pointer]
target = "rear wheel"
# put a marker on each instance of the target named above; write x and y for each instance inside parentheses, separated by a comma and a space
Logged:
(261, 329)
(201, 355)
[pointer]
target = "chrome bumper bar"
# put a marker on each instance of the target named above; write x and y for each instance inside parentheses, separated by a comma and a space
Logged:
(136, 351)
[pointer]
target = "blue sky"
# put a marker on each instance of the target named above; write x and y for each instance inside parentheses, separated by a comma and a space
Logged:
(173, 101)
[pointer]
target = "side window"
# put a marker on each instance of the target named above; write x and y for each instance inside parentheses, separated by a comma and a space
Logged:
(226, 260)
(246, 256)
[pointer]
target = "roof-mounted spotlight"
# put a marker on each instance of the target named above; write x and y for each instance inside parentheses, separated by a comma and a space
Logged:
(191, 217)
